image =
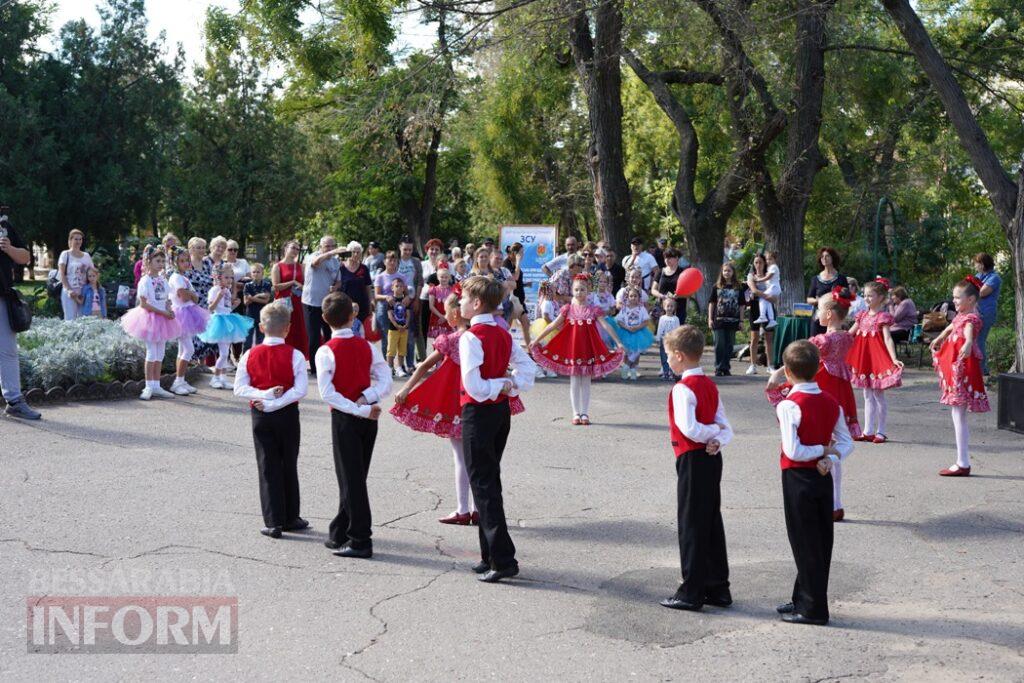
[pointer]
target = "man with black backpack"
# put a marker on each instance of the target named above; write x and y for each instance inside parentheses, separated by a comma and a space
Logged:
(13, 254)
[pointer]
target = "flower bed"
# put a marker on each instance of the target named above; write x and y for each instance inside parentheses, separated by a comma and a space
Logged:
(56, 354)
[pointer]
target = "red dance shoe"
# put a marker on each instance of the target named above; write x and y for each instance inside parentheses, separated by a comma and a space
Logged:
(585, 420)
(879, 438)
(838, 515)
(577, 421)
(463, 519)
(864, 437)
(955, 471)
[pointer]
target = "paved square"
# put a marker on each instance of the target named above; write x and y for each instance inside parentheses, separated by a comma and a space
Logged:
(927, 577)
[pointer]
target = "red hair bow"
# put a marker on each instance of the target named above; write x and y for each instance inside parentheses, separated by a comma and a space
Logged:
(973, 279)
(582, 276)
(844, 300)
(442, 265)
(884, 281)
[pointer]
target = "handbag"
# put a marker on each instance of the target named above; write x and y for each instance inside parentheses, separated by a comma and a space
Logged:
(19, 312)
(934, 321)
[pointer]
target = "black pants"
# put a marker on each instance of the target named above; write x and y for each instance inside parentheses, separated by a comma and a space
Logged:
(423, 328)
(316, 328)
(353, 439)
(484, 434)
(276, 436)
(807, 501)
(725, 340)
(702, 555)
(900, 335)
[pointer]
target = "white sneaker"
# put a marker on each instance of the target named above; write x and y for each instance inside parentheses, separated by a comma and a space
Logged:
(772, 325)
(761, 320)
(401, 373)
(146, 394)
(179, 388)
(225, 383)
(752, 370)
(160, 392)
(191, 389)
(632, 374)
(624, 372)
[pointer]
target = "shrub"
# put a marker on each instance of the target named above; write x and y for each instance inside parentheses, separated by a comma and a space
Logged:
(55, 353)
(1000, 345)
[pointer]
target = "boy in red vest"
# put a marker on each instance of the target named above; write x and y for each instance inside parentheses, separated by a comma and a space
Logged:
(272, 375)
(486, 351)
(699, 430)
(814, 438)
(353, 377)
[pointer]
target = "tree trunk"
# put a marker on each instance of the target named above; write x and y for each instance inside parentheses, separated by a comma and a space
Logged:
(597, 61)
(1006, 196)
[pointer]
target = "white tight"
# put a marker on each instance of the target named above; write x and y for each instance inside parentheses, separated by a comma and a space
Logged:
(632, 359)
(963, 435)
(579, 394)
(155, 351)
(224, 351)
(837, 486)
(186, 348)
(876, 409)
(462, 495)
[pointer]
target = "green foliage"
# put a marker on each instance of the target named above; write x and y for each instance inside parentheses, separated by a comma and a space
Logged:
(1001, 347)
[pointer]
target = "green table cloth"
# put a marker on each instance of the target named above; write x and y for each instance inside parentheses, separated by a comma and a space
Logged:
(789, 329)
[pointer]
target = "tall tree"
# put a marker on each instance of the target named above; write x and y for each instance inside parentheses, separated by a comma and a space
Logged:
(1005, 193)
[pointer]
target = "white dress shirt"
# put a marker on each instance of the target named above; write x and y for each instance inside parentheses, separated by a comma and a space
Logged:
(380, 379)
(789, 415)
(471, 357)
(298, 391)
(684, 404)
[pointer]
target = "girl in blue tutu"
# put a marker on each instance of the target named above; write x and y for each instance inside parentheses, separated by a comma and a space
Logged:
(225, 328)
(636, 336)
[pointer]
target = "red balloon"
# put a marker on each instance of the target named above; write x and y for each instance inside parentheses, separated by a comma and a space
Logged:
(370, 334)
(690, 280)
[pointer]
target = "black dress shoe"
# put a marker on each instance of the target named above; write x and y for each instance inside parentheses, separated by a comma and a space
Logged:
(786, 608)
(298, 524)
(349, 551)
(272, 531)
(333, 545)
(496, 575)
(677, 603)
(721, 598)
(481, 567)
(797, 618)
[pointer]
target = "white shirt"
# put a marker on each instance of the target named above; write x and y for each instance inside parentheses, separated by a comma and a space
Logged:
(632, 316)
(224, 305)
(471, 357)
(241, 268)
(178, 282)
(645, 262)
(603, 300)
(75, 268)
(547, 311)
(380, 379)
(684, 404)
(428, 270)
(557, 263)
(773, 272)
(620, 298)
(154, 290)
(666, 324)
(298, 391)
(789, 416)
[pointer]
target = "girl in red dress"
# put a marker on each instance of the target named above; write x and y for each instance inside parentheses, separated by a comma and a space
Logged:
(833, 376)
(436, 296)
(577, 349)
(287, 279)
(957, 359)
(872, 359)
(431, 405)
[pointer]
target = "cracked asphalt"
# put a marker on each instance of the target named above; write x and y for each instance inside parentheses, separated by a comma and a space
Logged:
(130, 498)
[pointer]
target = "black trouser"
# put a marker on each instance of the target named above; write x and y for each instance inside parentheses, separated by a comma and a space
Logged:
(353, 439)
(316, 328)
(422, 329)
(276, 436)
(702, 555)
(725, 340)
(900, 335)
(807, 502)
(485, 430)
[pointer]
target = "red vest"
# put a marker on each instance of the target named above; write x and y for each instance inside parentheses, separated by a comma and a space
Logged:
(818, 416)
(352, 360)
(707, 405)
(497, 345)
(270, 366)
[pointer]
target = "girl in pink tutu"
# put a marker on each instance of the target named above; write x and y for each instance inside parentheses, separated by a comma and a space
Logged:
(957, 359)
(872, 359)
(225, 328)
(152, 319)
(192, 319)
(431, 405)
(577, 349)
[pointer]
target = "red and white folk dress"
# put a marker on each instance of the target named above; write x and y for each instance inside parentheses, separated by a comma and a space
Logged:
(961, 381)
(434, 406)
(577, 348)
(870, 363)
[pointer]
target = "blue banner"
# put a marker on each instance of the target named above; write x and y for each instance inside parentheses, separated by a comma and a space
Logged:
(538, 248)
